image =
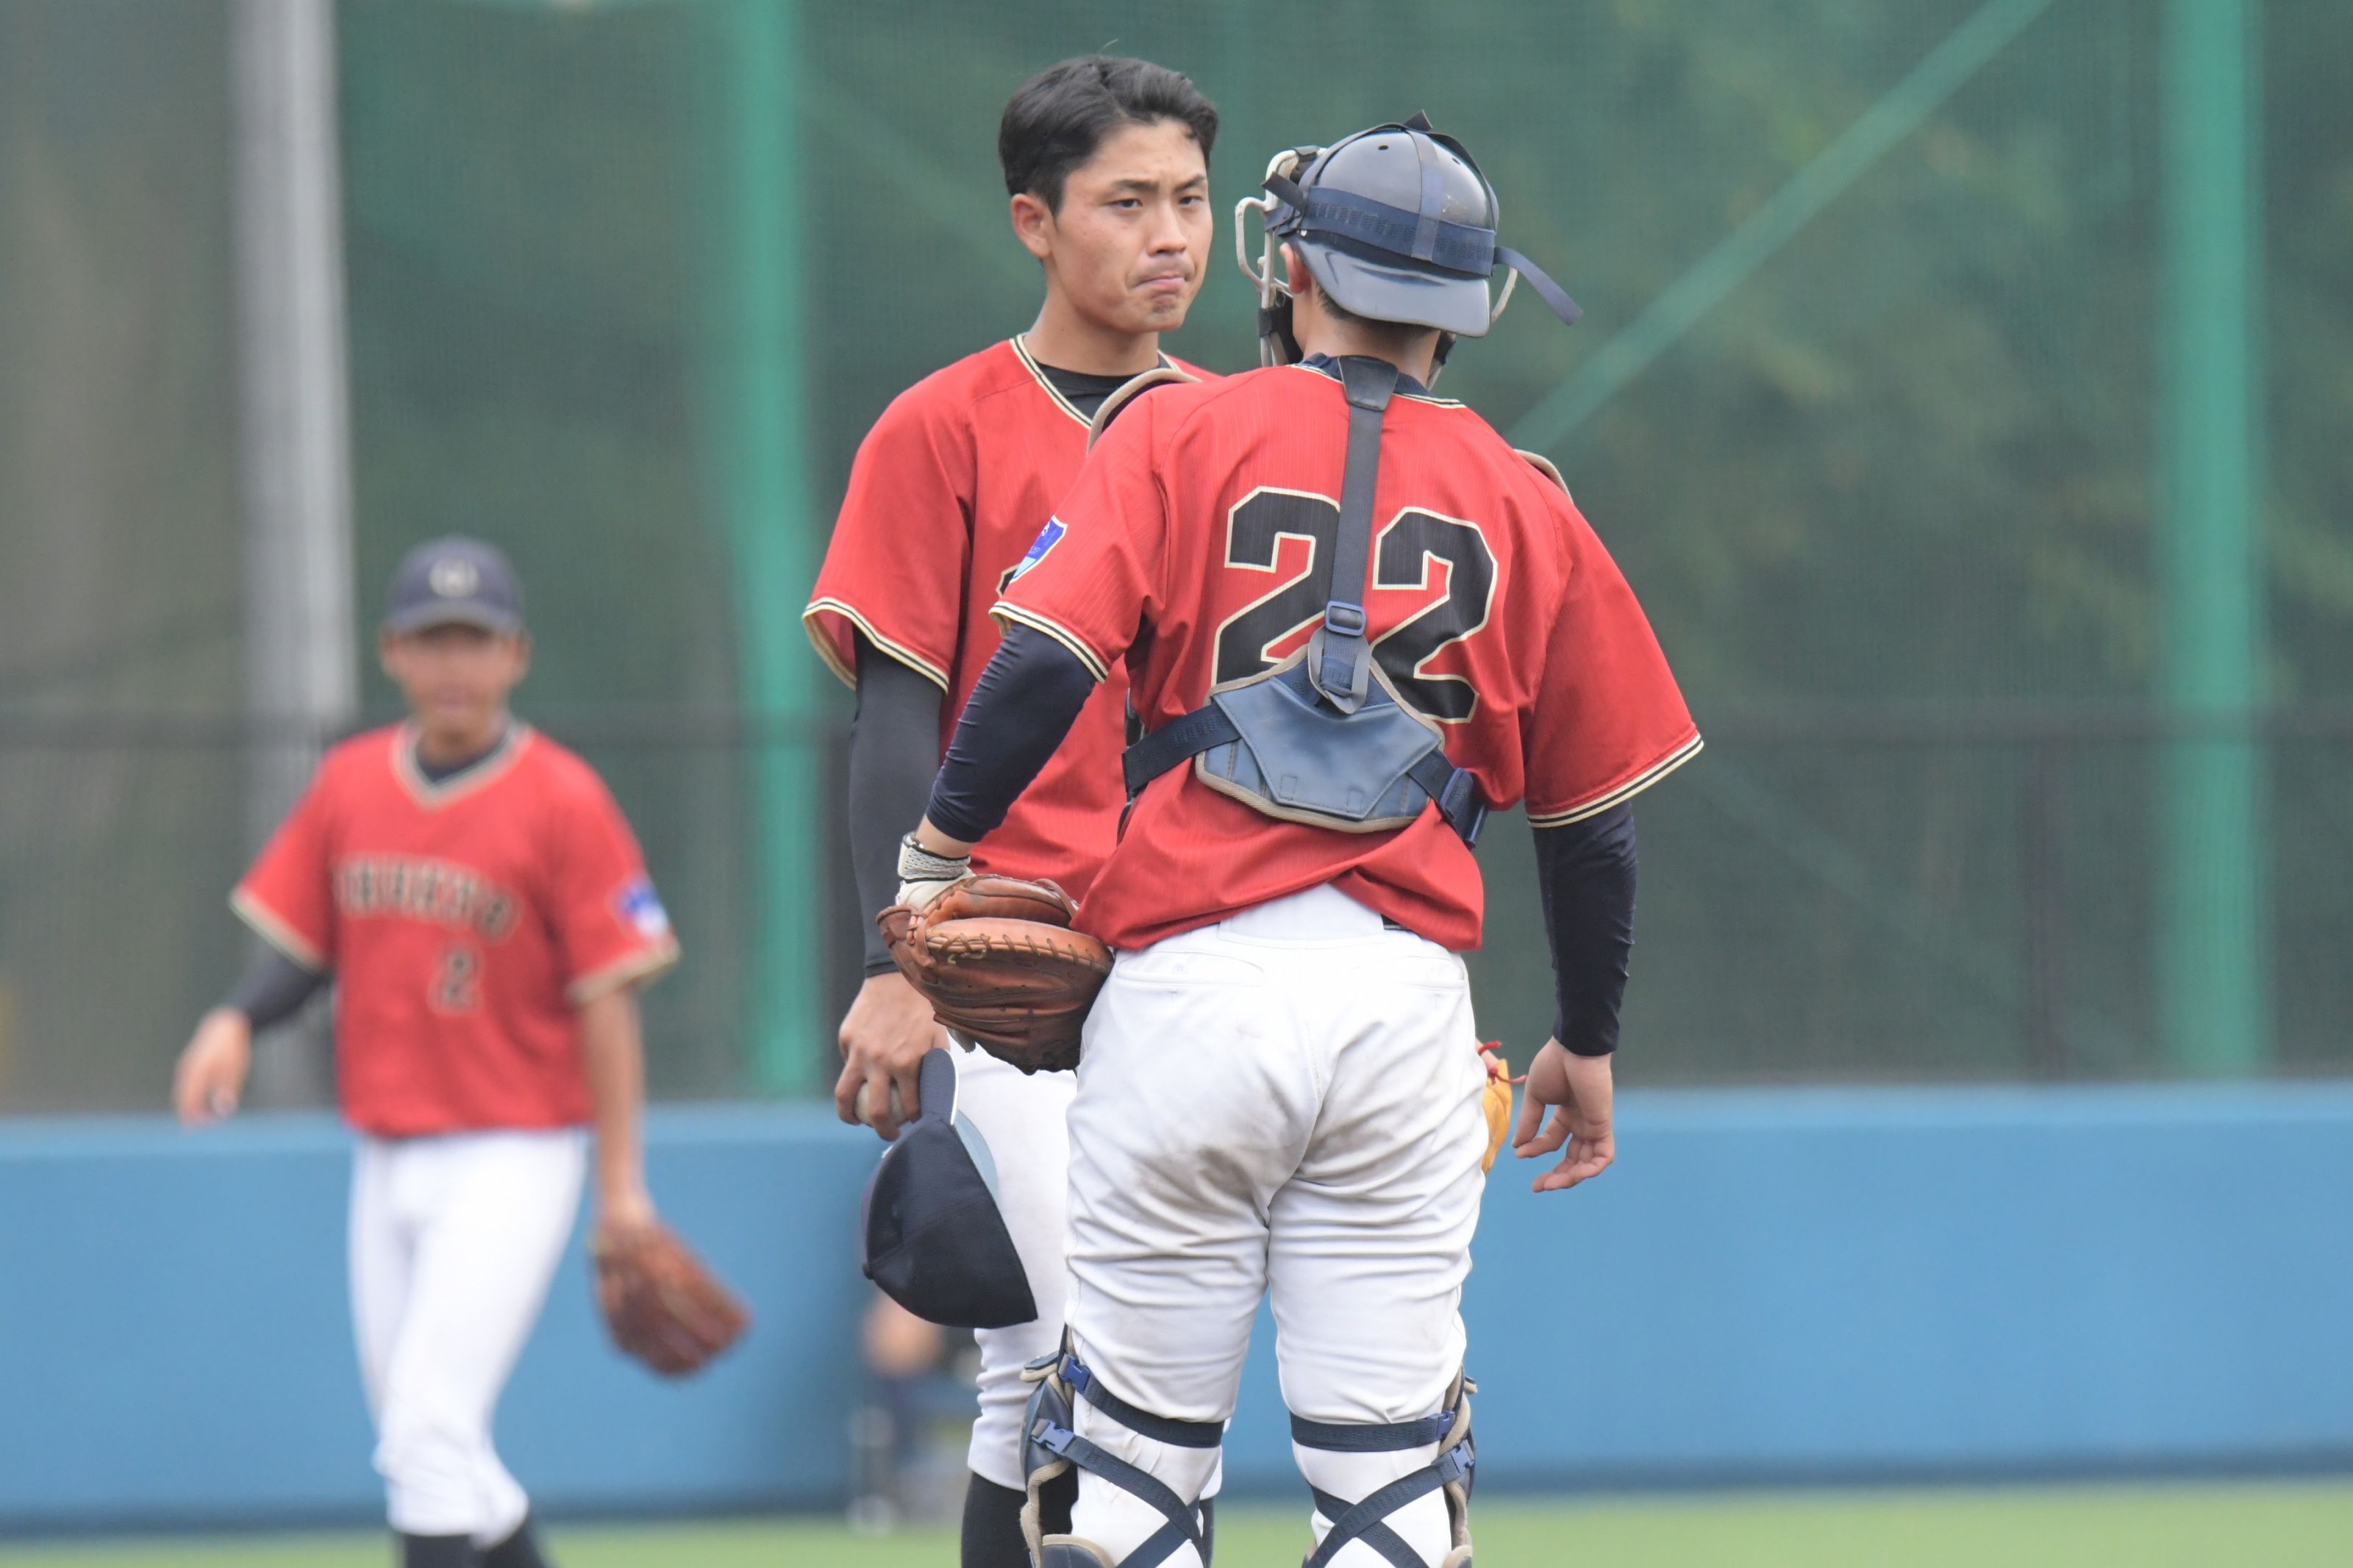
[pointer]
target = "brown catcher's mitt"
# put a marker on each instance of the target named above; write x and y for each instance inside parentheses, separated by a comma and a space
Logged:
(1000, 965)
(660, 1304)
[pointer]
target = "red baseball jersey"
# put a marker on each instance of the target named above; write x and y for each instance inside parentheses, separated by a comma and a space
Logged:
(1196, 548)
(948, 493)
(465, 923)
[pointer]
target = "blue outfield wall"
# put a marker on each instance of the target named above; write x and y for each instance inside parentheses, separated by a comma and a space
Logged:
(1771, 1285)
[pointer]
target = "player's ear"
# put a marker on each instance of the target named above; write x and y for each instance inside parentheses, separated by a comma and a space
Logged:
(1033, 226)
(387, 650)
(1297, 280)
(521, 655)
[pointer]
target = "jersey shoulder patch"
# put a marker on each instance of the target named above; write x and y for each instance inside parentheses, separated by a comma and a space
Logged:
(1047, 537)
(641, 910)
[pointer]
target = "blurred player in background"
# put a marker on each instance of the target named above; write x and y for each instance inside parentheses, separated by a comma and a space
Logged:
(485, 914)
(1106, 162)
(1354, 619)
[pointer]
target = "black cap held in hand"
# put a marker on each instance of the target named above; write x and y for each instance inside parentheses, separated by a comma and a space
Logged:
(454, 581)
(936, 1240)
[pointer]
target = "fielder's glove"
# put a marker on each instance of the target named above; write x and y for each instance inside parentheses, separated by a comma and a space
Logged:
(660, 1304)
(1001, 967)
(1496, 1102)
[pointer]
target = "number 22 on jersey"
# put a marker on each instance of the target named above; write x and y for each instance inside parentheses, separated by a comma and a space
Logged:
(1290, 535)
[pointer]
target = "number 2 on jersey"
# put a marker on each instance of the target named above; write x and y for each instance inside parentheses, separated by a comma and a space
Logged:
(457, 985)
(1256, 532)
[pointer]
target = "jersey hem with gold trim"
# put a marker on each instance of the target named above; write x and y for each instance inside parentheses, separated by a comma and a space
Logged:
(629, 969)
(1618, 794)
(273, 928)
(847, 672)
(1003, 613)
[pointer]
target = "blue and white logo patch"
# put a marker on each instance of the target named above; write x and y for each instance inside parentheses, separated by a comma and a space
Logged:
(1047, 537)
(641, 910)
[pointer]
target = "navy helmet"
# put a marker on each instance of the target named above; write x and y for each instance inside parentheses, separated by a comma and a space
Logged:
(936, 1241)
(1396, 223)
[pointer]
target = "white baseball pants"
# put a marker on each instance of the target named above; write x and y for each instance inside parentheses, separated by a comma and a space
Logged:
(453, 1242)
(1022, 1117)
(1287, 1103)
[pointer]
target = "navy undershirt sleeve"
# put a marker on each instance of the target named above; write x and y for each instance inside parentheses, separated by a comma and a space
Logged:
(894, 749)
(1026, 701)
(273, 990)
(1586, 872)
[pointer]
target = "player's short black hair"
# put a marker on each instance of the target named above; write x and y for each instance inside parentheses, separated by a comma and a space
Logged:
(1058, 119)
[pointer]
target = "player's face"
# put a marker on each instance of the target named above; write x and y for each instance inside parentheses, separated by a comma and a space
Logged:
(1128, 246)
(456, 679)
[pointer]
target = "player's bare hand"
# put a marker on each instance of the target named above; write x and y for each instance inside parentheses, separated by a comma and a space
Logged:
(1578, 1092)
(210, 1078)
(883, 1037)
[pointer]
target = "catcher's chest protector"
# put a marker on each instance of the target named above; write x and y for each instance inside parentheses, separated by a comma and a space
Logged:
(1322, 738)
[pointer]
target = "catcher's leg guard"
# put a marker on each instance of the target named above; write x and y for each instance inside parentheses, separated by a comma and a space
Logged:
(1364, 1519)
(1050, 1446)
(1069, 1552)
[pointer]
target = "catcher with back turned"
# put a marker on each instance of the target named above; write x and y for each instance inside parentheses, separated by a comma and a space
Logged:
(1106, 172)
(1354, 621)
(482, 908)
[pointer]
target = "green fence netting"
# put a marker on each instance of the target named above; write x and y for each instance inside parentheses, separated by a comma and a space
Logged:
(1892, 310)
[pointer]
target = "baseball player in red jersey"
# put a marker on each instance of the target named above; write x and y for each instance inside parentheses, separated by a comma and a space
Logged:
(1354, 620)
(1106, 164)
(486, 915)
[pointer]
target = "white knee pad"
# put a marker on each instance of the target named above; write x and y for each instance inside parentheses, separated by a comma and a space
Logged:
(1051, 1446)
(1399, 1493)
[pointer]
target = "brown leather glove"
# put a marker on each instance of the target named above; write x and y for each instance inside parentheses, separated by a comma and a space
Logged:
(660, 1304)
(1001, 967)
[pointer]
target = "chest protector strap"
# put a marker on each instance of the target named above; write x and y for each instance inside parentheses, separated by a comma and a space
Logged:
(1323, 737)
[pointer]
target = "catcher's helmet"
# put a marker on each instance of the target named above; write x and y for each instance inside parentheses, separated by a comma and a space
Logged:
(1396, 223)
(936, 1241)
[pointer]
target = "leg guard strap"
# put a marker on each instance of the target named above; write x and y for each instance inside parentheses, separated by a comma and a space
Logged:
(1451, 1473)
(1362, 1521)
(1185, 1525)
(1333, 1438)
(1159, 1428)
(1052, 1445)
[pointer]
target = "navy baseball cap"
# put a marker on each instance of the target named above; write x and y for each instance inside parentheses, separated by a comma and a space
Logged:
(935, 1239)
(454, 581)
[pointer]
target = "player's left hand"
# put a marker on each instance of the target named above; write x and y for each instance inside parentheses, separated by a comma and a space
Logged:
(883, 1037)
(210, 1078)
(1581, 1095)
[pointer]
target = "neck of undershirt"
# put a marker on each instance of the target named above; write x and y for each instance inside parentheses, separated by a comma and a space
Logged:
(1080, 389)
(442, 773)
(1407, 386)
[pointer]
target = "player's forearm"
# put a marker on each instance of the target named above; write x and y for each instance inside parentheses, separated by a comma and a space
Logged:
(1587, 872)
(273, 990)
(1025, 704)
(894, 751)
(612, 1059)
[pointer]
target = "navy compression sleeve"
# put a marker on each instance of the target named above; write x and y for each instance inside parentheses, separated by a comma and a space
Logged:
(1586, 872)
(273, 990)
(894, 749)
(1027, 700)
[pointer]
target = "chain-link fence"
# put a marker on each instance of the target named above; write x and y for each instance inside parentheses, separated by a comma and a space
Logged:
(1882, 399)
